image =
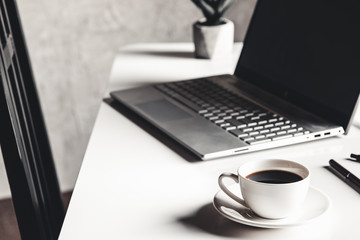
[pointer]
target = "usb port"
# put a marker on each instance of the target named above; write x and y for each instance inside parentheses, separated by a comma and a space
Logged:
(317, 135)
(327, 133)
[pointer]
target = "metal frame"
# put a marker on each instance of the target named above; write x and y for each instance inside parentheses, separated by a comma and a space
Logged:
(23, 138)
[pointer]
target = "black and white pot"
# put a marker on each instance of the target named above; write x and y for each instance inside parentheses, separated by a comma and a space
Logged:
(213, 41)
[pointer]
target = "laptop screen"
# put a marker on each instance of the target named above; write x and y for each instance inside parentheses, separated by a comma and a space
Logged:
(307, 52)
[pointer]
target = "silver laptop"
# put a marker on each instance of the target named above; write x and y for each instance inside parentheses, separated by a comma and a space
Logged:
(297, 80)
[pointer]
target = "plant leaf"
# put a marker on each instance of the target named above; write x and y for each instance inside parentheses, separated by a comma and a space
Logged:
(224, 6)
(205, 7)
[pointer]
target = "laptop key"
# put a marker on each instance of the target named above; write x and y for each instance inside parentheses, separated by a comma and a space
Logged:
(246, 139)
(258, 127)
(240, 117)
(275, 129)
(217, 121)
(207, 114)
(272, 120)
(252, 124)
(253, 133)
(270, 135)
(259, 137)
(262, 114)
(243, 135)
(264, 131)
(292, 130)
(237, 133)
(228, 128)
(213, 118)
(247, 129)
(279, 123)
(224, 124)
(203, 111)
(285, 127)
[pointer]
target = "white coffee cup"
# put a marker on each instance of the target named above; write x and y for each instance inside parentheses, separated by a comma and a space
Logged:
(270, 200)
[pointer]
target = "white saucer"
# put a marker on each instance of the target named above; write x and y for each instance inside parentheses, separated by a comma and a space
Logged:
(315, 205)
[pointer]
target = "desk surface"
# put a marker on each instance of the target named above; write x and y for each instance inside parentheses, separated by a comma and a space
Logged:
(133, 185)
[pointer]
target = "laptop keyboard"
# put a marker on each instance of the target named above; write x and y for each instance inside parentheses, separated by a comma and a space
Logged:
(236, 115)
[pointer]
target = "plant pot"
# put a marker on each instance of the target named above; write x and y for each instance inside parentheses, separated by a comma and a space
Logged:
(213, 41)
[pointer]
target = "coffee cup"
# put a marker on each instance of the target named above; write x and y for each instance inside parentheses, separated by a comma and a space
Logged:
(272, 189)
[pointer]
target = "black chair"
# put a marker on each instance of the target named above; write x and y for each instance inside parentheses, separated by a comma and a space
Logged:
(23, 138)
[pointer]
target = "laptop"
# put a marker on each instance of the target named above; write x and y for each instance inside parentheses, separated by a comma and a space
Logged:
(297, 80)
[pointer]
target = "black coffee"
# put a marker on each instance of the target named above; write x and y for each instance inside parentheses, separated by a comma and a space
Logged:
(274, 176)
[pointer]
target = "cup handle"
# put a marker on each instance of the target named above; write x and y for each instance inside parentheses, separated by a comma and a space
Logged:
(227, 191)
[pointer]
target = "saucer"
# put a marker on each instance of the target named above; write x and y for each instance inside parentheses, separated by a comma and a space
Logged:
(315, 205)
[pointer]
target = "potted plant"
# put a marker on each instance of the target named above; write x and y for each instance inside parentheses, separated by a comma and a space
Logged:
(213, 35)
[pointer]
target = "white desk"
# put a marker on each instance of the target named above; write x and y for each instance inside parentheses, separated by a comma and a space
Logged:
(133, 186)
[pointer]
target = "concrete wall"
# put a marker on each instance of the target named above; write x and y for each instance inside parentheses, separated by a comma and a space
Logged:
(72, 45)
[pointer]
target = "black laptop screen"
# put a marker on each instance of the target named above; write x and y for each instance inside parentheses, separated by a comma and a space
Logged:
(307, 52)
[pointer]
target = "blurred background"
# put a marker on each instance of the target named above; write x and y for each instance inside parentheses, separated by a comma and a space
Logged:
(72, 45)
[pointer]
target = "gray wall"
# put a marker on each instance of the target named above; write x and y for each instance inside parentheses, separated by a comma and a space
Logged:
(72, 45)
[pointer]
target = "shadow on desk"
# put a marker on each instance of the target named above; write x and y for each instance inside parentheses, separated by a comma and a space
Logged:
(156, 133)
(208, 220)
(174, 54)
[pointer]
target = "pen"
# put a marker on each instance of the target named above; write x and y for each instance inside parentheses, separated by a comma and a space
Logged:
(349, 178)
(356, 156)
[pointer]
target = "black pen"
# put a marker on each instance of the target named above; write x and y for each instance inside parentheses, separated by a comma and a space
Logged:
(349, 178)
(356, 156)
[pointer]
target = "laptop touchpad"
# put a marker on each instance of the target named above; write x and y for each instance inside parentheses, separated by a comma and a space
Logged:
(163, 110)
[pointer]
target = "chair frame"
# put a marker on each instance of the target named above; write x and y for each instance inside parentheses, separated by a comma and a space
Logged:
(23, 138)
